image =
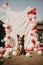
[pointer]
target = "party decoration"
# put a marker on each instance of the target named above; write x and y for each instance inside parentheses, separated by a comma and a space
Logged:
(40, 48)
(35, 49)
(3, 51)
(28, 55)
(32, 11)
(34, 28)
(8, 36)
(6, 54)
(39, 52)
(5, 5)
(14, 53)
(0, 55)
(20, 23)
(33, 41)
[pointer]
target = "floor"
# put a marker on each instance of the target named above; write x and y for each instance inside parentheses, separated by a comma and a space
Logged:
(22, 60)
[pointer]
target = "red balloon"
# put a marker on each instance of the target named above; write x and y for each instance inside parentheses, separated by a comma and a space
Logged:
(3, 51)
(29, 12)
(41, 45)
(32, 11)
(35, 17)
(31, 34)
(8, 46)
(33, 41)
(40, 48)
(9, 37)
(6, 3)
(35, 46)
(34, 28)
(36, 31)
(8, 27)
(30, 19)
(30, 49)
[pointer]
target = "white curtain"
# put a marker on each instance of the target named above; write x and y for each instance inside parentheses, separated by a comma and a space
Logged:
(20, 25)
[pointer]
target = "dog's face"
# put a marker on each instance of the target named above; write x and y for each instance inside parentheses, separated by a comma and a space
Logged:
(20, 39)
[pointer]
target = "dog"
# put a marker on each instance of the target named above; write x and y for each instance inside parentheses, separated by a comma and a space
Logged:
(20, 45)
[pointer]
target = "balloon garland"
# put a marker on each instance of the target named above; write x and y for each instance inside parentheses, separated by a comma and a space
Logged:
(34, 43)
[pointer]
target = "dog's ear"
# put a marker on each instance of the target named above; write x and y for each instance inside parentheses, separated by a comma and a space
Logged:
(17, 35)
(23, 36)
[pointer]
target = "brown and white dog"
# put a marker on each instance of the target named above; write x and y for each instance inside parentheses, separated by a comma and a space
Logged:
(20, 45)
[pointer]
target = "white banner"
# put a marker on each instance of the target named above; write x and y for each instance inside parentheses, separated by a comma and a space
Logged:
(20, 25)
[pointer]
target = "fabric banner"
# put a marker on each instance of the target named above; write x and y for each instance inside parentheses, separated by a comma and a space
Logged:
(20, 24)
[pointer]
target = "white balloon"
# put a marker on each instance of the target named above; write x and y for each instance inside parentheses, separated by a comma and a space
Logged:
(28, 55)
(5, 39)
(35, 49)
(7, 31)
(39, 52)
(0, 55)
(37, 43)
(9, 49)
(30, 45)
(1, 48)
(14, 48)
(7, 35)
(35, 39)
(5, 25)
(14, 53)
(6, 55)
